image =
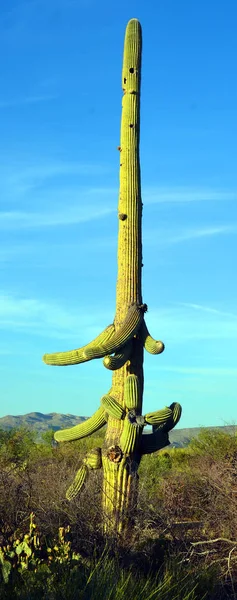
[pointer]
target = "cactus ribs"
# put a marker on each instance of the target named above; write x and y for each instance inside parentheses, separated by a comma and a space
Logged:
(121, 344)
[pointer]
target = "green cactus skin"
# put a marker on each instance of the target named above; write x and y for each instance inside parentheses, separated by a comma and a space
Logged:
(75, 357)
(119, 512)
(112, 407)
(122, 336)
(77, 483)
(118, 360)
(124, 443)
(171, 422)
(93, 459)
(130, 436)
(159, 417)
(77, 432)
(119, 495)
(152, 346)
(132, 393)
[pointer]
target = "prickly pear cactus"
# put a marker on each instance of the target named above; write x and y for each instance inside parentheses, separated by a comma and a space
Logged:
(122, 343)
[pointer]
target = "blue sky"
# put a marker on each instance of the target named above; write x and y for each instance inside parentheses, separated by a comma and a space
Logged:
(60, 108)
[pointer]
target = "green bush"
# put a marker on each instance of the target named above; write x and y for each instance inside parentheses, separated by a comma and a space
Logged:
(186, 496)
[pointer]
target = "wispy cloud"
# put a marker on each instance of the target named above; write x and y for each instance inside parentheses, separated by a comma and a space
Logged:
(68, 216)
(58, 190)
(49, 255)
(208, 309)
(177, 325)
(23, 176)
(184, 194)
(52, 168)
(168, 236)
(38, 317)
(200, 232)
(12, 103)
(205, 371)
(47, 180)
(38, 171)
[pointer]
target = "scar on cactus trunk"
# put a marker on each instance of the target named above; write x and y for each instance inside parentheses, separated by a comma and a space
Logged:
(121, 344)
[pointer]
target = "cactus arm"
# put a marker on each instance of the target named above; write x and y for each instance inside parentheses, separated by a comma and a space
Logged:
(123, 335)
(93, 459)
(112, 407)
(119, 359)
(159, 417)
(173, 419)
(152, 346)
(75, 357)
(151, 442)
(77, 483)
(131, 434)
(157, 440)
(132, 393)
(84, 429)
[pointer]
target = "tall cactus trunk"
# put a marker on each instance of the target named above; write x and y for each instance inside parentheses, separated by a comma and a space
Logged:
(119, 489)
(121, 343)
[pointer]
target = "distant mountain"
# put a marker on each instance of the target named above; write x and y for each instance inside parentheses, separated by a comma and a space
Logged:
(40, 423)
(181, 437)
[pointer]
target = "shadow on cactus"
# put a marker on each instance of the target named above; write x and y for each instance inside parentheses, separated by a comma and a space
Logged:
(122, 343)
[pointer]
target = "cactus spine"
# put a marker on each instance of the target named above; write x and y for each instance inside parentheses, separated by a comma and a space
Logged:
(121, 408)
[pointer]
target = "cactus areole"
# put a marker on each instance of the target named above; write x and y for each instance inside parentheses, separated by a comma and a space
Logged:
(122, 343)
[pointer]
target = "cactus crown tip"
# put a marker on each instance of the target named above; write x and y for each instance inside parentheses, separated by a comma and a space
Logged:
(133, 23)
(134, 20)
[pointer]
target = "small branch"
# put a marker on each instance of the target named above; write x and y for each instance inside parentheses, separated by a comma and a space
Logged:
(214, 541)
(229, 571)
(229, 557)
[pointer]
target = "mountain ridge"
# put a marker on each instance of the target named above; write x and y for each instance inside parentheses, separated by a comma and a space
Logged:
(41, 422)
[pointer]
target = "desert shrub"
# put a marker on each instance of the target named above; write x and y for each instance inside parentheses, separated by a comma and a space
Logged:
(186, 497)
(214, 443)
(16, 446)
(37, 481)
(193, 501)
(32, 570)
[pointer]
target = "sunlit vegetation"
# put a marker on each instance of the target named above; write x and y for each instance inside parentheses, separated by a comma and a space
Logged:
(184, 542)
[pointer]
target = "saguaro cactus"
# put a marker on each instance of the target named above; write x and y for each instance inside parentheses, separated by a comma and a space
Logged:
(121, 344)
